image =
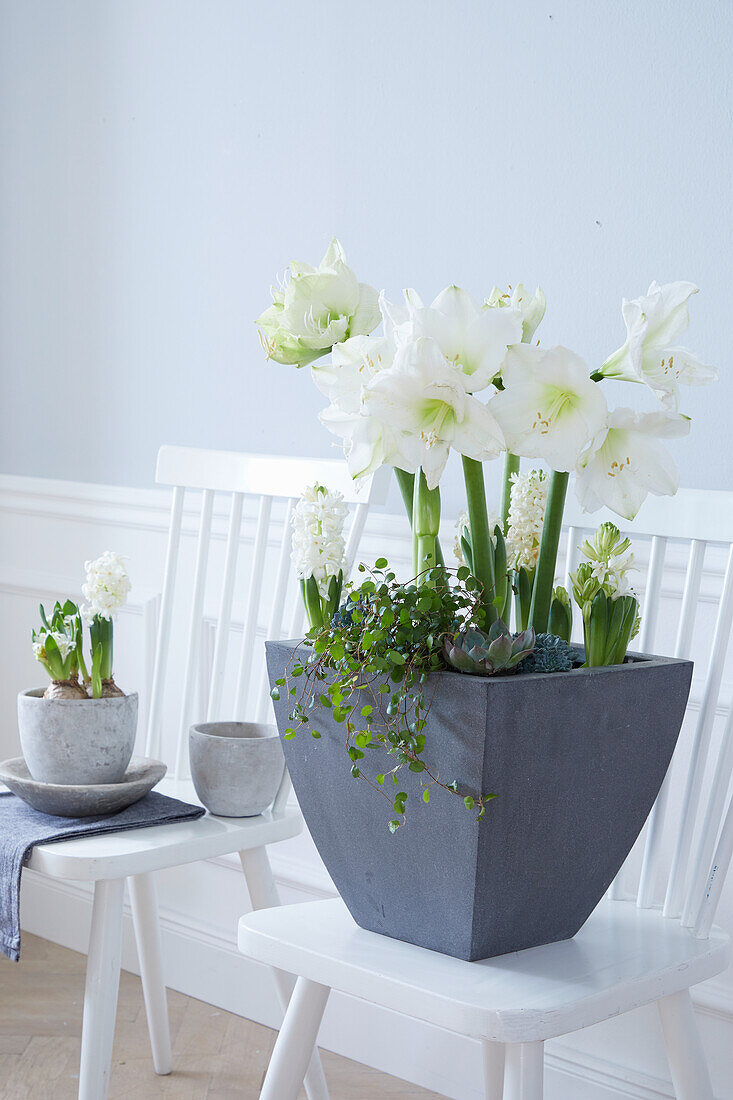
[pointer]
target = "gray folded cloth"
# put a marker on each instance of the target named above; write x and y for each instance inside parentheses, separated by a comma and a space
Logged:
(21, 827)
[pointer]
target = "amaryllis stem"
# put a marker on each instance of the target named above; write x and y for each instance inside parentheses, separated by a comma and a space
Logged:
(425, 526)
(406, 484)
(539, 612)
(478, 522)
(511, 466)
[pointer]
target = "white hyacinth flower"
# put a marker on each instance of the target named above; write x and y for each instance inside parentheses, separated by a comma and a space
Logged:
(107, 586)
(317, 308)
(629, 461)
(526, 516)
(654, 321)
(531, 306)
(549, 408)
(318, 547)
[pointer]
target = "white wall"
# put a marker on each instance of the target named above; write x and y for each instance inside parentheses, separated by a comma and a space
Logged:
(163, 159)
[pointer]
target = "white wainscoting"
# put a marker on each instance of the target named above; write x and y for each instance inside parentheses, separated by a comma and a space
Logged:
(47, 529)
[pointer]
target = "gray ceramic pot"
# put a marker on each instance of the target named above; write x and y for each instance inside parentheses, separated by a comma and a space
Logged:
(576, 760)
(236, 767)
(79, 741)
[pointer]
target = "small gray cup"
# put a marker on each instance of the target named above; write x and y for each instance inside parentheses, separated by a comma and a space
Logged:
(236, 767)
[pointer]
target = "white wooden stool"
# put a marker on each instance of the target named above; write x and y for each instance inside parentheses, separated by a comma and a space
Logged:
(622, 958)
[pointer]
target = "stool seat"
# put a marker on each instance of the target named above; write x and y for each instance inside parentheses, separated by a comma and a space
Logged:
(622, 958)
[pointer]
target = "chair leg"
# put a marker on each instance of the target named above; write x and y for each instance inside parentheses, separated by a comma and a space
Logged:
(294, 1045)
(493, 1057)
(524, 1073)
(264, 895)
(144, 904)
(102, 986)
(685, 1054)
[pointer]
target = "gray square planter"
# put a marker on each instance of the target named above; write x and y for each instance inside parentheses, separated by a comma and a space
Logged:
(576, 760)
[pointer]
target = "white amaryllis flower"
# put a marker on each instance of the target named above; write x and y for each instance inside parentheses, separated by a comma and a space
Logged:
(653, 323)
(423, 397)
(318, 547)
(317, 308)
(472, 338)
(368, 442)
(353, 364)
(526, 516)
(549, 408)
(531, 306)
(629, 462)
(107, 586)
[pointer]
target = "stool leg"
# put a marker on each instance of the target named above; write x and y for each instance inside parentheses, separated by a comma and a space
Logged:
(264, 895)
(685, 1054)
(144, 905)
(294, 1045)
(523, 1077)
(102, 987)
(493, 1057)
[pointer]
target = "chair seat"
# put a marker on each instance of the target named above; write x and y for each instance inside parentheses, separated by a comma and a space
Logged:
(622, 958)
(135, 851)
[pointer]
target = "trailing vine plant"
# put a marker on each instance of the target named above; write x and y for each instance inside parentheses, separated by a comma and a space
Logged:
(369, 667)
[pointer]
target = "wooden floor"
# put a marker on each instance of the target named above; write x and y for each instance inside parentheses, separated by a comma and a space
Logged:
(216, 1056)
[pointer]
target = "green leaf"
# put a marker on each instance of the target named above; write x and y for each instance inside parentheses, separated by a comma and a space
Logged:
(469, 802)
(381, 563)
(393, 826)
(426, 795)
(395, 657)
(380, 779)
(275, 694)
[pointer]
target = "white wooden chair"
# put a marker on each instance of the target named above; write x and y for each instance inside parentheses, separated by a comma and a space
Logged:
(109, 860)
(631, 951)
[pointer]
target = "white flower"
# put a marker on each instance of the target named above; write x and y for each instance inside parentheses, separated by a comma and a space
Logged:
(526, 516)
(531, 307)
(609, 560)
(353, 364)
(549, 408)
(472, 338)
(629, 461)
(422, 396)
(318, 548)
(107, 586)
(317, 308)
(653, 323)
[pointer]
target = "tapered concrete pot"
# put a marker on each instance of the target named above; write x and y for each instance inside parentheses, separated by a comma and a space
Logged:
(576, 760)
(77, 741)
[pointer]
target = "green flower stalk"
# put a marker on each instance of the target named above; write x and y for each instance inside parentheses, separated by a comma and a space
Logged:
(425, 527)
(539, 613)
(482, 557)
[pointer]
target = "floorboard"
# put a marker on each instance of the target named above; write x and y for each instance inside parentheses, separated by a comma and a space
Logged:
(217, 1056)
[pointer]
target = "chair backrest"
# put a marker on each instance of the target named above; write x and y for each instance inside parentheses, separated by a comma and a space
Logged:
(265, 483)
(693, 536)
